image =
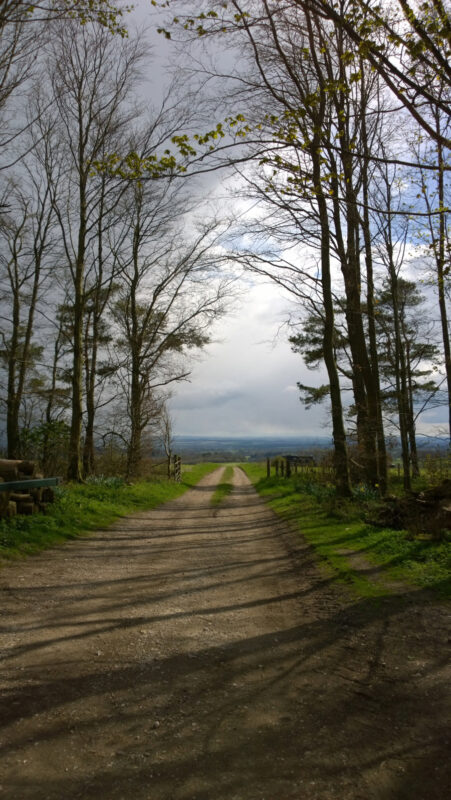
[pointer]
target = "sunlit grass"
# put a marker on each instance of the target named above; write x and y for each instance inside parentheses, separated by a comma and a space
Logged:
(337, 530)
(80, 508)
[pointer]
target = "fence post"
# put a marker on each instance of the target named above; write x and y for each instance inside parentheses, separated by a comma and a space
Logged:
(282, 467)
(288, 470)
(177, 468)
(268, 468)
(276, 464)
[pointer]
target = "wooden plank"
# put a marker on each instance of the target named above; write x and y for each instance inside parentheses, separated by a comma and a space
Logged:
(34, 483)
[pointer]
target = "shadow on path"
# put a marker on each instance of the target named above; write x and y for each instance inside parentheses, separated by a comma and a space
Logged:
(184, 655)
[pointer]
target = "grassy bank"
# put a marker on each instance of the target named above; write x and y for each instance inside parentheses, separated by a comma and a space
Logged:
(340, 535)
(83, 508)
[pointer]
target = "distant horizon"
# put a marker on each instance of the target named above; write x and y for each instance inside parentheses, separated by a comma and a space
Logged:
(246, 448)
(251, 436)
(286, 436)
(234, 447)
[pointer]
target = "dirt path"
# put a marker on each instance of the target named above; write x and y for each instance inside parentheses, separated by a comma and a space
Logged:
(193, 653)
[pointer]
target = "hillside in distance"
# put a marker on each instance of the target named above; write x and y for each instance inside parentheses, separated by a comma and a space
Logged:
(194, 449)
(246, 448)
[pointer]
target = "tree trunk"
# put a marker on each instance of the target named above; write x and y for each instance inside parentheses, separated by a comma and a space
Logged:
(134, 447)
(12, 416)
(46, 447)
(410, 413)
(440, 257)
(75, 470)
(90, 373)
(12, 404)
(98, 307)
(135, 400)
(400, 367)
(372, 337)
(366, 399)
(341, 463)
(363, 383)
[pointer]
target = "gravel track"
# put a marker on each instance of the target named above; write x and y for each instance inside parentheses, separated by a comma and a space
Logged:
(195, 652)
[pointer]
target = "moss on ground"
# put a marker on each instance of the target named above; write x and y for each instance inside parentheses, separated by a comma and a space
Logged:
(338, 530)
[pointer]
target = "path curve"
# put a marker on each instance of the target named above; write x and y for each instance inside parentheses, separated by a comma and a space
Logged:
(198, 653)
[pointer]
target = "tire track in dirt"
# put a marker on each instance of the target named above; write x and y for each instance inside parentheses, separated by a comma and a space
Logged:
(198, 653)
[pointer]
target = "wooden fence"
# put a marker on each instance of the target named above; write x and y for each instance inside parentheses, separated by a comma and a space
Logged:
(175, 468)
(171, 467)
(286, 465)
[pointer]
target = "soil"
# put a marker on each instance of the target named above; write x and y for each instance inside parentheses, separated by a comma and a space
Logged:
(201, 653)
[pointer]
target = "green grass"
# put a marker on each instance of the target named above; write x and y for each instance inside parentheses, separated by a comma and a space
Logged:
(80, 508)
(332, 527)
(224, 488)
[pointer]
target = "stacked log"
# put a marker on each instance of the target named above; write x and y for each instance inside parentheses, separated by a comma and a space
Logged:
(11, 511)
(11, 470)
(48, 495)
(21, 501)
(8, 470)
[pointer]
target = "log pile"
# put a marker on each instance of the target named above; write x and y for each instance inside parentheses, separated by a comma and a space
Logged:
(22, 501)
(427, 512)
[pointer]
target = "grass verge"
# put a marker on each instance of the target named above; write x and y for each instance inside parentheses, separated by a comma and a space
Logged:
(80, 508)
(224, 488)
(338, 532)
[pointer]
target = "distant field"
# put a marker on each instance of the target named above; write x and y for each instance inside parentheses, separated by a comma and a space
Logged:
(257, 448)
(246, 448)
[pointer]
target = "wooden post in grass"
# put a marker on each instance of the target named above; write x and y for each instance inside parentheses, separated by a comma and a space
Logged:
(268, 468)
(288, 470)
(282, 467)
(177, 461)
(276, 464)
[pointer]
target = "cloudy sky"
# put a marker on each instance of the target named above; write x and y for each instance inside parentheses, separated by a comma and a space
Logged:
(244, 383)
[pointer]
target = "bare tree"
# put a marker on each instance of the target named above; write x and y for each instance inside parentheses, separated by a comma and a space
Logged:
(406, 42)
(91, 76)
(321, 112)
(25, 29)
(407, 45)
(409, 357)
(166, 432)
(104, 12)
(25, 241)
(171, 291)
(433, 194)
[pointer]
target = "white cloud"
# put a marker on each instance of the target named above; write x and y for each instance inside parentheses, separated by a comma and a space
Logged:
(246, 380)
